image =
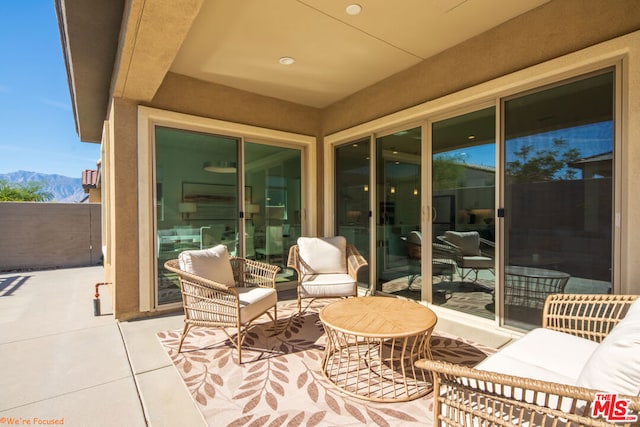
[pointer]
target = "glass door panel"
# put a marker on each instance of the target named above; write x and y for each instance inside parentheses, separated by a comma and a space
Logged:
(463, 200)
(196, 198)
(273, 201)
(558, 195)
(398, 166)
(352, 197)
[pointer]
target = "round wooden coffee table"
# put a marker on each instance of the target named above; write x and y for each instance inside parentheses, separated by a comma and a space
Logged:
(372, 345)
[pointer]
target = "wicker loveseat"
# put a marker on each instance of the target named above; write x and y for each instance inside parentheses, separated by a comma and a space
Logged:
(550, 377)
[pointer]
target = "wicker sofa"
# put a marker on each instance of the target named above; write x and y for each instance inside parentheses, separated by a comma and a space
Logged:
(587, 344)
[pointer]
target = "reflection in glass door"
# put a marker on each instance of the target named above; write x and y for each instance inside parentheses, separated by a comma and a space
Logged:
(273, 200)
(398, 233)
(463, 225)
(558, 195)
(196, 198)
(352, 197)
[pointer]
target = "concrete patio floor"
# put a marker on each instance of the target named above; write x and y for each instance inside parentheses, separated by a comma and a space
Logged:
(60, 362)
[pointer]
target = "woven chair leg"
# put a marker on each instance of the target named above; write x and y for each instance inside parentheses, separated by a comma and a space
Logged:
(300, 310)
(239, 344)
(184, 335)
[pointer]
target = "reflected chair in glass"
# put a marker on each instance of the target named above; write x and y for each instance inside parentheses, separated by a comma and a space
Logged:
(327, 268)
(414, 257)
(211, 235)
(471, 252)
(273, 245)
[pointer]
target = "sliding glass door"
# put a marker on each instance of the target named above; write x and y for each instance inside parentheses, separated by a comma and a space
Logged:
(353, 171)
(398, 228)
(273, 219)
(204, 199)
(518, 212)
(559, 194)
(196, 198)
(463, 185)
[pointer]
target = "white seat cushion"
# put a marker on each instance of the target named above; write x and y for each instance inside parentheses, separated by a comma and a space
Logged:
(333, 284)
(504, 364)
(508, 365)
(477, 261)
(255, 301)
(552, 351)
(615, 365)
(212, 264)
(323, 255)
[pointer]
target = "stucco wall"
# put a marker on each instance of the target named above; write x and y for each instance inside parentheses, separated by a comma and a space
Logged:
(553, 30)
(124, 209)
(49, 235)
(547, 32)
(191, 96)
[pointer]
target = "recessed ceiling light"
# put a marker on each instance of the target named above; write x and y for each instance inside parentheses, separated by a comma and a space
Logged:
(354, 9)
(471, 137)
(287, 60)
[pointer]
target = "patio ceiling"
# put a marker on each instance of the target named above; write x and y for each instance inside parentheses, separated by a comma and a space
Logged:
(239, 44)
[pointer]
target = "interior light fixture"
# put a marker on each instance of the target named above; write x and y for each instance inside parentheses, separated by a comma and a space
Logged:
(353, 9)
(471, 137)
(286, 60)
(219, 167)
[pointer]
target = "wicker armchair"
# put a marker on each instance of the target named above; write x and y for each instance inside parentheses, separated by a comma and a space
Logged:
(470, 397)
(329, 269)
(211, 304)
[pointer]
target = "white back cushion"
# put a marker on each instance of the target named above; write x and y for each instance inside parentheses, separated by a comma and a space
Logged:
(615, 365)
(212, 264)
(323, 255)
(467, 241)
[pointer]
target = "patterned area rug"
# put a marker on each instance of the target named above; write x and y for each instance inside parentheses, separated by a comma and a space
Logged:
(280, 381)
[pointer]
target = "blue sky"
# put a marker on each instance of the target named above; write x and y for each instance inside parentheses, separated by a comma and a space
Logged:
(37, 129)
(590, 139)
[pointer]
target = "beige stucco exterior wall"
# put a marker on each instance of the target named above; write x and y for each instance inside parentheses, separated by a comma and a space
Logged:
(49, 235)
(124, 207)
(552, 30)
(560, 27)
(183, 94)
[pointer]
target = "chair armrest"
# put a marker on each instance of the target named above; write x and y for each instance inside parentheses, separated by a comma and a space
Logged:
(444, 240)
(583, 315)
(252, 273)
(487, 242)
(487, 248)
(294, 259)
(355, 261)
(468, 396)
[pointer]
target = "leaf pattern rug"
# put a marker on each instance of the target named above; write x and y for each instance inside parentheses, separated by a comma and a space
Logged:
(280, 382)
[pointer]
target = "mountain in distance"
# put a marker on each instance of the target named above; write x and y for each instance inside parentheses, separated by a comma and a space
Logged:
(63, 188)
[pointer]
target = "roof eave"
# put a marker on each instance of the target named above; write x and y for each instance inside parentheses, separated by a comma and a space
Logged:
(89, 61)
